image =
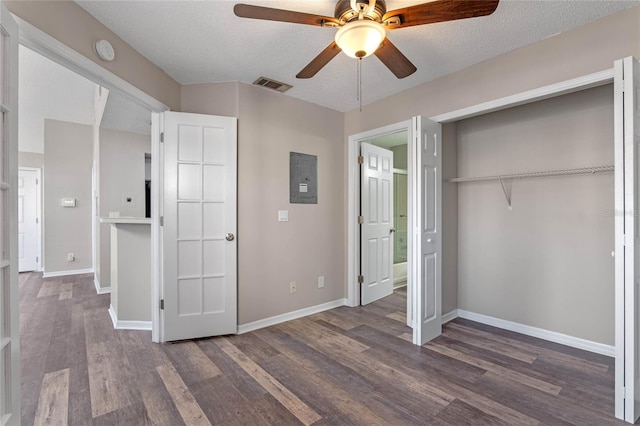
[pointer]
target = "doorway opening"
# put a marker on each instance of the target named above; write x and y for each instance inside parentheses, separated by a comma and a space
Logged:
(396, 135)
(394, 145)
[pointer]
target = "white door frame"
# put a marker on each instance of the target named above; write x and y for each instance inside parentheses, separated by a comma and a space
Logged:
(39, 200)
(353, 201)
(60, 53)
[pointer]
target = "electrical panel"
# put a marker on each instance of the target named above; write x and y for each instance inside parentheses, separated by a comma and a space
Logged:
(303, 178)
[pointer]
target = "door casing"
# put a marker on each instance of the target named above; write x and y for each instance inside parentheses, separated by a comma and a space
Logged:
(353, 202)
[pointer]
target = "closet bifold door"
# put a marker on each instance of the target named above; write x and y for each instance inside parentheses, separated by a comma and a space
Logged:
(426, 265)
(627, 231)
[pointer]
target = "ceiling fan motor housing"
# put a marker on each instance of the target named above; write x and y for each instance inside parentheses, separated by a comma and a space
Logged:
(345, 13)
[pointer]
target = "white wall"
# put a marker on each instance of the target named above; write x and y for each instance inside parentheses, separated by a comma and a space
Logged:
(121, 172)
(68, 151)
(547, 263)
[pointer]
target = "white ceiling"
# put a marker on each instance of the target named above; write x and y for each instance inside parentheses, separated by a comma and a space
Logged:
(122, 114)
(203, 42)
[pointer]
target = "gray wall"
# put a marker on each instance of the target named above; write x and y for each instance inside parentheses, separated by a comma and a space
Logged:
(547, 263)
(274, 253)
(30, 159)
(271, 254)
(121, 172)
(68, 151)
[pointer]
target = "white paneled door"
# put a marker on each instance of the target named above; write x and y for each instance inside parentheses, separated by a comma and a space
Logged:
(9, 329)
(427, 220)
(199, 215)
(627, 196)
(376, 235)
(27, 220)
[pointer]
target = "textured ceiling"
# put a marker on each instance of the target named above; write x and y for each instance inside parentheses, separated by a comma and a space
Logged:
(203, 42)
(122, 114)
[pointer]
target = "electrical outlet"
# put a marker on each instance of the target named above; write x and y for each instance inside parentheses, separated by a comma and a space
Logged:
(321, 281)
(292, 287)
(70, 257)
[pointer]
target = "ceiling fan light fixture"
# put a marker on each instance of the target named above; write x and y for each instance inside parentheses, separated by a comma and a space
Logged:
(360, 38)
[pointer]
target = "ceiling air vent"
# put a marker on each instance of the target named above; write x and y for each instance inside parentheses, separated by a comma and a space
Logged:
(272, 84)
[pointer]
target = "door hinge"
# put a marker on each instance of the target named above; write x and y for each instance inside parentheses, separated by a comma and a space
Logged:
(37, 259)
(37, 181)
(360, 159)
(360, 279)
(37, 220)
(162, 304)
(161, 220)
(162, 137)
(360, 220)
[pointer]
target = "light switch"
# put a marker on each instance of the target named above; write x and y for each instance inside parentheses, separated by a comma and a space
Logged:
(283, 215)
(68, 202)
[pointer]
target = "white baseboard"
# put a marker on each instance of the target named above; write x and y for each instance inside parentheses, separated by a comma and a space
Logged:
(449, 316)
(127, 325)
(552, 336)
(65, 273)
(99, 289)
(255, 325)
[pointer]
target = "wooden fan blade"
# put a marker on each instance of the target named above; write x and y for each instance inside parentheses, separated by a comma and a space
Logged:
(397, 63)
(320, 61)
(440, 11)
(270, 14)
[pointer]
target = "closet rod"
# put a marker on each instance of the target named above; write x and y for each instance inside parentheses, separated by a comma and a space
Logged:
(578, 171)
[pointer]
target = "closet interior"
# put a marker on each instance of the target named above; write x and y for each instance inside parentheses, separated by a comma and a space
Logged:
(528, 215)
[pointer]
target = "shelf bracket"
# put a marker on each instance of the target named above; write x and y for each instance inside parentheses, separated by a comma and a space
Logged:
(506, 188)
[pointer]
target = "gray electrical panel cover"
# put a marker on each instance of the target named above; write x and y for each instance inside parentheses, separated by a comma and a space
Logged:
(303, 178)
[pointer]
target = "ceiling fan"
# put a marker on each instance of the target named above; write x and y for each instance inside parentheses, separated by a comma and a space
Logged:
(362, 26)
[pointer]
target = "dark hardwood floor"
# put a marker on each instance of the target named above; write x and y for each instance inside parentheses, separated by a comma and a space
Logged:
(347, 366)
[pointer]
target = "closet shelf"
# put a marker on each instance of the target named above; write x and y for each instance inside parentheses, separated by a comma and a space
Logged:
(577, 171)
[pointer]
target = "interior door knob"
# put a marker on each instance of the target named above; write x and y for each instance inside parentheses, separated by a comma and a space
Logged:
(230, 237)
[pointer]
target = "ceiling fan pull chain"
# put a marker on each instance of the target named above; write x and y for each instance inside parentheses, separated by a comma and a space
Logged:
(360, 82)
